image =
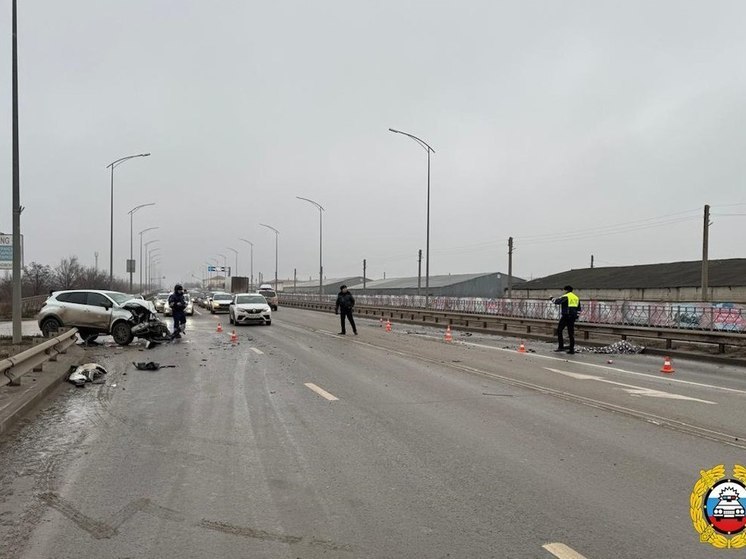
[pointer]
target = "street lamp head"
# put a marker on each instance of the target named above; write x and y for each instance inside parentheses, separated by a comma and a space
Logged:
(394, 131)
(144, 155)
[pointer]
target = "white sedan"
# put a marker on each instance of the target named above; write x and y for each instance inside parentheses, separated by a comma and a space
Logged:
(249, 308)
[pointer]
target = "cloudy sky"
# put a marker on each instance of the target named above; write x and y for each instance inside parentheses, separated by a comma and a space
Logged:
(577, 127)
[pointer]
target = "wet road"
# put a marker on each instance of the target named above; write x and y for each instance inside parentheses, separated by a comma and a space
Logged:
(300, 443)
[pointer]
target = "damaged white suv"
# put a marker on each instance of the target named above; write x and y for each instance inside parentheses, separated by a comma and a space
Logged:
(95, 312)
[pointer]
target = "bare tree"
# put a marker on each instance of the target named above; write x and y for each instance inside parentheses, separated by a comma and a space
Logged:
(37, 279)
(67, 274)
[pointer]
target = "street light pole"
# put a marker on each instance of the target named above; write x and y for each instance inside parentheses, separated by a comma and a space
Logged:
(225, 270)
(141, 233)
(132, 257)
(235, 270)
(16, 307)
(150, 259)
(112, 165)
(321, 244)
(277, 249)
(251, 279)
(427, 148)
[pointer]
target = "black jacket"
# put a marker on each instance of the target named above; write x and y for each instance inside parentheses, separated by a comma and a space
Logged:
(345, 301)
(177, 303)
(567, 310)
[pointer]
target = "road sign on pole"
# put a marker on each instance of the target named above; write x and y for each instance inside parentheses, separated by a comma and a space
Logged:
(6, 252)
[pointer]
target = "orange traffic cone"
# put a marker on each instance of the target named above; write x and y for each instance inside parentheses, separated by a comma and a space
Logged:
(521, 348)
(234, 337)
(220, 328)
(388, 326)
(448, 337)
(667, 366)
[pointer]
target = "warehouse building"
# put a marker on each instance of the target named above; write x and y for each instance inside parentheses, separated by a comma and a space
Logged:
(488, 285)
(673, 281)
(331, 285)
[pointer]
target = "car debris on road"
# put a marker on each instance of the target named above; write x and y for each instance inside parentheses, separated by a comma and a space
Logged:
(90, 372)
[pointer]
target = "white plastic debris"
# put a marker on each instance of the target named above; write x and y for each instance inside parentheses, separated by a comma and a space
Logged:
(90, 372)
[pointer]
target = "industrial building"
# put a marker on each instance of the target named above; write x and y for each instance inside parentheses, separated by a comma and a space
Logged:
(488, 285)
(673, 281)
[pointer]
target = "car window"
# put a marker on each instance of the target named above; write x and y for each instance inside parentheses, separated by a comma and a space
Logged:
(268, 293)
(98, 300)
(78, 297)
(246, 299)
(223, 297)
(119, 298)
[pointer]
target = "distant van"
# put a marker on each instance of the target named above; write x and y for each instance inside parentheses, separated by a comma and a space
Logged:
(269, 294)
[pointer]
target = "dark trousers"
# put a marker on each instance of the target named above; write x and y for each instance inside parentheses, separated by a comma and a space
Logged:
(179, 319)
(569, 323)
(347, 313)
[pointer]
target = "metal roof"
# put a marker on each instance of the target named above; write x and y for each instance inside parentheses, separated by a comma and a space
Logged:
(435, 281)
(327, 282)
(722, 273)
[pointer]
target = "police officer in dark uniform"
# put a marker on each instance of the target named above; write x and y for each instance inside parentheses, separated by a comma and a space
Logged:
(570, 309)
(178, 307)
(345, 303)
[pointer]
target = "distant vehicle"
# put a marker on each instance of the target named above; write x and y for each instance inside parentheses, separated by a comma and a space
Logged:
(160, 301)
(189, 310)
(220, 302)
(95, 312)
(249, 308)
(270, 295)
(266, 286)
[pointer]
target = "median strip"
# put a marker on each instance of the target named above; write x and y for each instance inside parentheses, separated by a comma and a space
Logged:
(321, 392)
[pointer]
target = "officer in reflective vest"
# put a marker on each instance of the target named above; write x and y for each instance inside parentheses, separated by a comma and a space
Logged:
(570, 309)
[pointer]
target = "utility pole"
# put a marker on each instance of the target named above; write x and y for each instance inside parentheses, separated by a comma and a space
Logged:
(365, 272)
(295, 279)
(705, 261)
(95, 254)
(591, 261)
(419, 273)
(16, 304)
(510, 267)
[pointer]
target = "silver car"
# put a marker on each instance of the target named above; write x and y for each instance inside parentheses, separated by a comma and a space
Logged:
(92, 312)
(220, 302)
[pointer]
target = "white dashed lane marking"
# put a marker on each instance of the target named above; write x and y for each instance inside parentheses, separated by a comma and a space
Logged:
(561, 551)
(321, 392)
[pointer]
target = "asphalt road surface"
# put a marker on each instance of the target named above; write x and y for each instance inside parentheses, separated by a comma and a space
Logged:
(299, 443)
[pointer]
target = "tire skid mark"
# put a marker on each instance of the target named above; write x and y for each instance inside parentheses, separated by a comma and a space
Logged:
(108, 528)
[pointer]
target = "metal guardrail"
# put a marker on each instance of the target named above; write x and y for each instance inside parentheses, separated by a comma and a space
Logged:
(712, 317)
(535, 328)
(13, 368)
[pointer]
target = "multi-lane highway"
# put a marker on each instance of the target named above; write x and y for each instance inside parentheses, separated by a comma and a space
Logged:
(299, 443)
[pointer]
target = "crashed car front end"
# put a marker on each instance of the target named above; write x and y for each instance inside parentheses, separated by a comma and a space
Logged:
(145, 322)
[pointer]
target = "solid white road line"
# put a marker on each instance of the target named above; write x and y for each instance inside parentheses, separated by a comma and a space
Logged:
(321, 392)
(561, 551)
(257, 351)
(667, 379)
(631, 389)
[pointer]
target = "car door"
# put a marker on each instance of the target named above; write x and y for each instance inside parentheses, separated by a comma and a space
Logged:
(73, 308)
(99, 311)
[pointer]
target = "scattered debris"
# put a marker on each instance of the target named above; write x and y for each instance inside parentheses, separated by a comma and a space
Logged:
(151, 366)
(90, 372)
(467, 334)
(622, 347)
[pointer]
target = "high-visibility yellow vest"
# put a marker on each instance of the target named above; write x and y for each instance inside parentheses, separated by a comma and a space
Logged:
(573, 301)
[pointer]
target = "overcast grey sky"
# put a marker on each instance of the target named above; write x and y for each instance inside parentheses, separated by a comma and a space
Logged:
(547, 118)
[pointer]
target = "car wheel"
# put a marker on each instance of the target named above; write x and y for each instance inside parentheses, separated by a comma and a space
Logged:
(122, 333)
(230, 319)
(268, 323)
(49, 325)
